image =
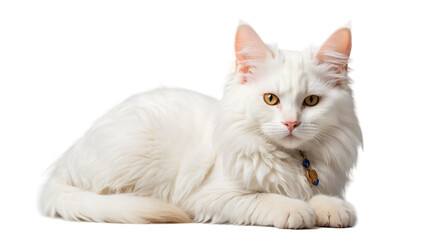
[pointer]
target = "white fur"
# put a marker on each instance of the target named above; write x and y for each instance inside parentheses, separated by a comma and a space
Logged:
(172, 155)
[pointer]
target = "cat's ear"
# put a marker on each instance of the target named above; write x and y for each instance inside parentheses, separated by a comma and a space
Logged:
(336, 50)
(249, 48)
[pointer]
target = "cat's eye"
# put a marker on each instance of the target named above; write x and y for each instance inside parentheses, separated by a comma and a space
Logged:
(271, 99)
(311, 100)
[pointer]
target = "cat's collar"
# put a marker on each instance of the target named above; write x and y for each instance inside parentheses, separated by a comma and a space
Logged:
(311, 174)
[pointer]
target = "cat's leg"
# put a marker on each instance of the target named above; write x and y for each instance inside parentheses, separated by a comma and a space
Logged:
(239, 207)
(333, 211)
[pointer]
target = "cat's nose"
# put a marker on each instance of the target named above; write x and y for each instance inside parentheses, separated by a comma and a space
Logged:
(291, 125)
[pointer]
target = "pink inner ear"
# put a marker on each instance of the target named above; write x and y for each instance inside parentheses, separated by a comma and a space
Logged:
(340, 42)
(248, 46)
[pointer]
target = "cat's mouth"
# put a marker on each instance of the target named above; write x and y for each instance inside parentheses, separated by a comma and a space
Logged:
(291, 137)
(283, 137)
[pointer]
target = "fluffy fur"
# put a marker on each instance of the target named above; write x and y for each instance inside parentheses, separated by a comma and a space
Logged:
(172, 155)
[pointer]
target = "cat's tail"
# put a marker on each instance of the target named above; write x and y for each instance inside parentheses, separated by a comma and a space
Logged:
(71, 203)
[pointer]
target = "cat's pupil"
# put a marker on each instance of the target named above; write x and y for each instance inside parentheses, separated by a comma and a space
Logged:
(270, 97)
(311, 99)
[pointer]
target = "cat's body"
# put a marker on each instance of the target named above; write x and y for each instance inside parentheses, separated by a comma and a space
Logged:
(172, 155)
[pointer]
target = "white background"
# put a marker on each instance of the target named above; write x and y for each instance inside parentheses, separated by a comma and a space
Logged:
(64, 63)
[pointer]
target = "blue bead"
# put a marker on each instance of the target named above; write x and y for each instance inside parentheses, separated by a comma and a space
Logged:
(306, 163)
(316, 182)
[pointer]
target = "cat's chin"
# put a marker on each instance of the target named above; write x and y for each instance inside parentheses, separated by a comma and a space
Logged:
(290, 142)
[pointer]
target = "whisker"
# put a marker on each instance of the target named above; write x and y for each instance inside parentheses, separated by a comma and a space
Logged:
(320, 139)
(257, 133)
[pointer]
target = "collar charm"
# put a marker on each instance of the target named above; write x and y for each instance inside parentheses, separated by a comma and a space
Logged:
(311, 174)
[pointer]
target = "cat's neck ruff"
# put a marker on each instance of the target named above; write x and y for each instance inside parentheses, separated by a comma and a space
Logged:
(263, 166)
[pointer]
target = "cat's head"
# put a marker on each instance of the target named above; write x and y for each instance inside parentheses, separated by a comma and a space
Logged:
(291, 98)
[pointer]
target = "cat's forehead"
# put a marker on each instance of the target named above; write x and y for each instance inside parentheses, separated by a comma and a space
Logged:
(290, 75)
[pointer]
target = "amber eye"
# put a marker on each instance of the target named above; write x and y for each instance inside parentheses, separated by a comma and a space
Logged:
(311, 100)
(271, 99)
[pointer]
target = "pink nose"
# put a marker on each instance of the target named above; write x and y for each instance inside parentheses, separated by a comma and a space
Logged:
(291, 125)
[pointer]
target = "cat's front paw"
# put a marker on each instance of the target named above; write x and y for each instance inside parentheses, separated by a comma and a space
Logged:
(333, 212)
(294, 214)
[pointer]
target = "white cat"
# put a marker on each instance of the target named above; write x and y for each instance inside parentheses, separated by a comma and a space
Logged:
(173, 155)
